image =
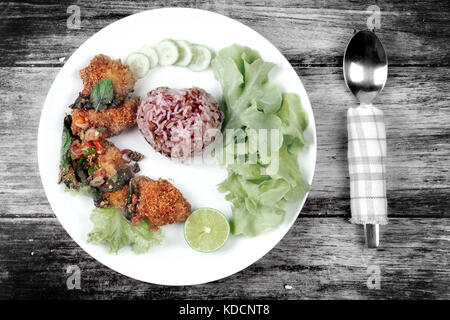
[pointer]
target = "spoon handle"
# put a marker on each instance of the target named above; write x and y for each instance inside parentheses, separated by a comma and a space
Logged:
(366, 157)
(372, 233)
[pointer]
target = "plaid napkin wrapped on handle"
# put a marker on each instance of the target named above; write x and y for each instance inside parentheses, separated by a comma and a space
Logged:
(366, 159)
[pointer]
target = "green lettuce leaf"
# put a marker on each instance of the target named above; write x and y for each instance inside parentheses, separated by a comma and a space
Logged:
(111, 228)
(244, 79)
(83, 191)
(294, 122)
(251, 218)
(253, 118)
(258, 189)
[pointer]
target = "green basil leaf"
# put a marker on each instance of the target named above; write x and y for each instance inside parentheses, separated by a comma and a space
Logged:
(65, 148)
(102, 94)
(80, 163)
(66, 141)
(117, 182)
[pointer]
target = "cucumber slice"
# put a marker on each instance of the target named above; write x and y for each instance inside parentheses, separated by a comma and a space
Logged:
(185, 53)
(151, 54)
(168, 52)
(201, 58)
(138, 63)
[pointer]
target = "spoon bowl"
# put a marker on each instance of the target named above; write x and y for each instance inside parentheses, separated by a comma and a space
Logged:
(365, 66)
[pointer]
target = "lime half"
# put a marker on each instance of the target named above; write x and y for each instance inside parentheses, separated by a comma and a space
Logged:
(206, 229)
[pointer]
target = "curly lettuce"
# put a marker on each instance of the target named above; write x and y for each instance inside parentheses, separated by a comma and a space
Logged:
(258, 190)
(111, 228)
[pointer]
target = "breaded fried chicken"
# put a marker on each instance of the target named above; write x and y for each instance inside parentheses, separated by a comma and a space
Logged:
(112, 121)
(111, 160)
(102, 66)
(117, 198)
(156, 200)
(160, 201)
(101, 158)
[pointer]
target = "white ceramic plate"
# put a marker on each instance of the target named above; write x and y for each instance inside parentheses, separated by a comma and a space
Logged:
(173, 262)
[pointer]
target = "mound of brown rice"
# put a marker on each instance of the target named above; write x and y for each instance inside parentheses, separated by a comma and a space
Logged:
(179, 122)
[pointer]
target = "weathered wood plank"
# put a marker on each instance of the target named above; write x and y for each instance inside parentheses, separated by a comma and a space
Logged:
(413, 33)
(415, 102)
(320, 258)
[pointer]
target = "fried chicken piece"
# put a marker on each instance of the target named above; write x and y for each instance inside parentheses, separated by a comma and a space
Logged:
(160, 201)
(102, 66)
(111, 160)
(117, 198)
(157, 200)
(113, 120)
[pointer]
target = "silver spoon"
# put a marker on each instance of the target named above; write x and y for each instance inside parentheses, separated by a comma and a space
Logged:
(365, 66)
(365, 73)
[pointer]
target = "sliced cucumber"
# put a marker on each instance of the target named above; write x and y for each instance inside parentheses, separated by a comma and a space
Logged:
(138, 63)
(151, 54)
(168, 52)
(201, 58)
(185, 53)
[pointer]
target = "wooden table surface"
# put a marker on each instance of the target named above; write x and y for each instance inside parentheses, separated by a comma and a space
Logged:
(323, 255)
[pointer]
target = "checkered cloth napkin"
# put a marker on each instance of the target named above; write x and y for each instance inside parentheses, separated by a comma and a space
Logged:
(366, 163)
